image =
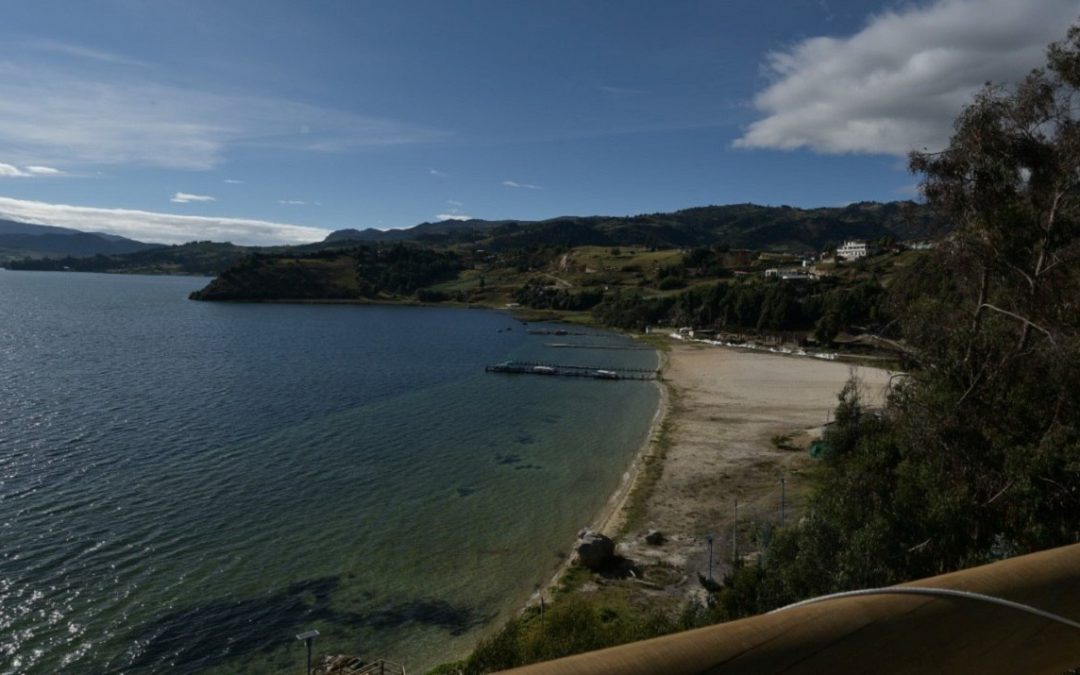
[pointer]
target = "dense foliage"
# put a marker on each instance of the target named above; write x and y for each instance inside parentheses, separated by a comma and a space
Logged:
(401, 269)
(540, 294)
(826, 306)
(364, 272)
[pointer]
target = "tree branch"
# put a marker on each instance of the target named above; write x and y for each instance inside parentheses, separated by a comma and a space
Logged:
(1026, 322)
(999, 493)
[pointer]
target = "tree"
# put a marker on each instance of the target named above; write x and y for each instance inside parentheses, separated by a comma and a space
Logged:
(976, 454)
(993, 316)
(1009, 182)
(827, 328)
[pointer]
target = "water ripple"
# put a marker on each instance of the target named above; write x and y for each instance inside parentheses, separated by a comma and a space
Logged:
(185, 485)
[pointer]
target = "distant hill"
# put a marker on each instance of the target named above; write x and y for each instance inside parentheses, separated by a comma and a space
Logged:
(441, 230)
(781, 228)
(15, 227)
(195, 258)
(29, 240)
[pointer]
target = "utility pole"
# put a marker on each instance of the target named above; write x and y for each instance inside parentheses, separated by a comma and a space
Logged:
(709, 538)
(735, 534)
(783, 479)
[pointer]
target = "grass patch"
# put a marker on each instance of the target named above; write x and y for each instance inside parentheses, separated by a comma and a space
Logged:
(657, 341)
(652, 468)
(572, 624)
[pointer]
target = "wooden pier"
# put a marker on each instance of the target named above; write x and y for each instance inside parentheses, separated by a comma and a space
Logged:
(561, 331)
(564, 370)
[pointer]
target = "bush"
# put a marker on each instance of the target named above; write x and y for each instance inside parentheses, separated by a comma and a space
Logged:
(428, 295)
(671, 283)
(572, 625)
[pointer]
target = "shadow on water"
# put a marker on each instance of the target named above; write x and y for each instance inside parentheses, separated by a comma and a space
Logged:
(210, 635)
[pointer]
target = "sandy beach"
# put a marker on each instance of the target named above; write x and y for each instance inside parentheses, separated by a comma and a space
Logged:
(722, 410)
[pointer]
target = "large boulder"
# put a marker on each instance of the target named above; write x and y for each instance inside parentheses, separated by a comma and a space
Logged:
(655, 538)
(594, 550)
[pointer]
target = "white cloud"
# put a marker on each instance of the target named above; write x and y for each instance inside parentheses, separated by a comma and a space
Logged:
(292, 202)
(79, 118)
(187, 198)
(454, 202)
(233, 181)
(12, 171)
(38, 170)
(165, 228)
(9, 171)
(436, 172)
(453, 216)
(898, 84)
(526, 186)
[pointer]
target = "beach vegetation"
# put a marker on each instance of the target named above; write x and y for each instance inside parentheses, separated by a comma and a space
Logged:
(748, 305)
(651, 469)
(572, 625)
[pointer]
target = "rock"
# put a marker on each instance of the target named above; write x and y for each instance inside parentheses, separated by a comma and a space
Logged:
(594, 550)
(655, 538)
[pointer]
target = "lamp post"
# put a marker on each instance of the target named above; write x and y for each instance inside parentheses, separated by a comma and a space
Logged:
(308, 637)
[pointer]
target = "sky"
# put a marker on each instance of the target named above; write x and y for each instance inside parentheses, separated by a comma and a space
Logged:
(272, 121)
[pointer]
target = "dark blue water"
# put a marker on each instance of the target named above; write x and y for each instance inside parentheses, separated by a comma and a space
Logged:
(185, 486)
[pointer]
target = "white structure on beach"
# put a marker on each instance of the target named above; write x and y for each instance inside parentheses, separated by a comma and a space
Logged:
(853, 249)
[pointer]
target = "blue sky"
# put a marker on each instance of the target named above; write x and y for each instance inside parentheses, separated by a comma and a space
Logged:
(275, 122)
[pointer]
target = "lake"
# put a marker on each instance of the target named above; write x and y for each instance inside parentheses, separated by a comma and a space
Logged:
(186, 486)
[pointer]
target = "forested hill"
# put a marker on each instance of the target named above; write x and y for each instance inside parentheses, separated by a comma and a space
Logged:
(735, 225)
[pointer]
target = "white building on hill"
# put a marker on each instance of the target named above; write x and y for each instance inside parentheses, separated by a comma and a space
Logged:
(854, 249)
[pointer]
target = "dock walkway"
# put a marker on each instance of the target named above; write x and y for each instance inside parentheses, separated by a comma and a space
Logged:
(565, 370)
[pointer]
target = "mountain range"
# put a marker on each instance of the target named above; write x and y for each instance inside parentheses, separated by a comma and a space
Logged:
(28, 240)
(736, 225)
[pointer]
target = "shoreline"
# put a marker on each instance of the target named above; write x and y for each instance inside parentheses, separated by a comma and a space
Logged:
(611, 515)
(720, 410)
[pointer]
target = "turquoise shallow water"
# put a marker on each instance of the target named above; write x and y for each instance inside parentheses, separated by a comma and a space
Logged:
(185, 486)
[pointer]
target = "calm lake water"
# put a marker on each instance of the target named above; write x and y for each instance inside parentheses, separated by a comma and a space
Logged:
(185, 486)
